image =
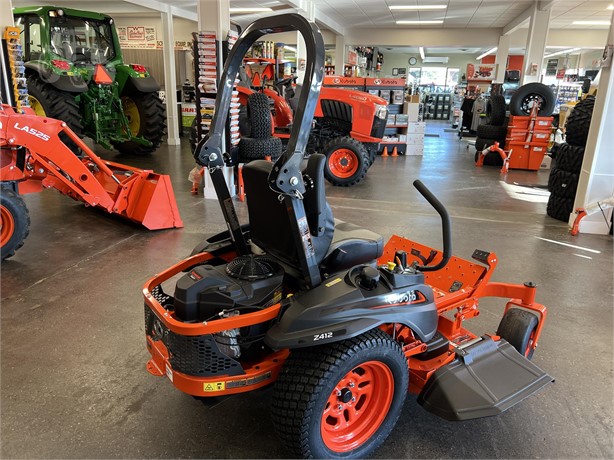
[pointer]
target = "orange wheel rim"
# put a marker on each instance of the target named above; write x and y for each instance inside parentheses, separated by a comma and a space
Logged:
(357, 406)
(7, 225)
(343, 163)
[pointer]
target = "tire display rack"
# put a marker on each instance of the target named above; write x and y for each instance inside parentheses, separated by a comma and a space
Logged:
(528, 138)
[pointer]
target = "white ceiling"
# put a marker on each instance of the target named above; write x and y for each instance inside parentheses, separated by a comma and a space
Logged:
(376, 13)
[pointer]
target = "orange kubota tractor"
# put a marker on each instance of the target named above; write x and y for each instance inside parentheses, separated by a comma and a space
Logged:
(348, 125)
(33, 157)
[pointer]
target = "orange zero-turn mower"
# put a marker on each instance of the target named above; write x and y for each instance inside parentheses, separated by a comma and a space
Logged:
(33, 157)
(340, 324)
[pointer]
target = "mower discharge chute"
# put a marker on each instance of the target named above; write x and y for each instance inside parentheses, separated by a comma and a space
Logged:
(33, 157)
(342, 325)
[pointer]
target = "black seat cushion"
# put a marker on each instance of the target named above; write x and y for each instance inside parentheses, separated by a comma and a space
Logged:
(270, 227)
(351, 245)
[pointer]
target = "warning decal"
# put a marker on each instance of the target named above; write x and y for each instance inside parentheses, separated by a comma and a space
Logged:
(214, 386)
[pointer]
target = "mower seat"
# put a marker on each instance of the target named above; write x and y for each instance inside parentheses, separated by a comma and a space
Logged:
(338, 245)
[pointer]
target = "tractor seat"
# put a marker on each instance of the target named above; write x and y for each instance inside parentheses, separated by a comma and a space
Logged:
(338, 245)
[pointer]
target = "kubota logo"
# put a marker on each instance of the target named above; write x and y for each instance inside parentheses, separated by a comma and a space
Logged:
(377, 81)
(32, 131)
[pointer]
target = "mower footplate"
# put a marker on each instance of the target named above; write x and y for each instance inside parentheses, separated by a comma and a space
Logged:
(486, 379)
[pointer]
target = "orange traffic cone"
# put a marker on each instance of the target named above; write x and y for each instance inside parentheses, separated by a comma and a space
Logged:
(394, 152)
(385, 152)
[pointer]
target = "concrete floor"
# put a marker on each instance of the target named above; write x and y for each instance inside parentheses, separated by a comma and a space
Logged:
(73, 355)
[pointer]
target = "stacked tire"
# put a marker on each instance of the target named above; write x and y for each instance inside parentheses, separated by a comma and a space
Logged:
(259, 142)
(568, 157)
(494, 131)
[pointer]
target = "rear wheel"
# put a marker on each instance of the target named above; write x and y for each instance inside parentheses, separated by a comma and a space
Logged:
(146, 116)
(518, 327)
(47, 101)
(341, 400)
(14, 222)
(347, 161)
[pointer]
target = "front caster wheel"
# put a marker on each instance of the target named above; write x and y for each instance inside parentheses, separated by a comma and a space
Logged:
(343, 399)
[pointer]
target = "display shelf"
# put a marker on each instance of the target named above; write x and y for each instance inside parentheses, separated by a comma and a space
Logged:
(14, 89)
(392, 90)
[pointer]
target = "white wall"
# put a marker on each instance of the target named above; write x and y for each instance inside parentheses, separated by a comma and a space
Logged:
(392, 60)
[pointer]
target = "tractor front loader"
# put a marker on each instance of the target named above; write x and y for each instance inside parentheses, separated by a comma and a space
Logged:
(33, 157)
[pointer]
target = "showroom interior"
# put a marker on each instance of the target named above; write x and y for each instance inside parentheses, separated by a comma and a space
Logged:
(287, 262)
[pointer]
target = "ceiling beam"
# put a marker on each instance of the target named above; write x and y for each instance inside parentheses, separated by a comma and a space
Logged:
(518, 21)
(303, 5)
(165, 8)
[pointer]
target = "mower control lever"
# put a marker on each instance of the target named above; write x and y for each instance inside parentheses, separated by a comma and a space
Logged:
(445, 227)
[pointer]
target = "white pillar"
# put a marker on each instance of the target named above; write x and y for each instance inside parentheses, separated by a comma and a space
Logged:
(339, 54)
(536, 44)
(596, 181)
(170, 81)
(214, 15)
(503, 51)
(308, 12)
(6, 14)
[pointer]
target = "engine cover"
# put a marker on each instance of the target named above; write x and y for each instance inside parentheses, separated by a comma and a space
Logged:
(207, 290)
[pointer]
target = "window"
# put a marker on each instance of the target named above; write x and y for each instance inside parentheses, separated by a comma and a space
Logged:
(30, 35)
(434, 79)
(82, 40)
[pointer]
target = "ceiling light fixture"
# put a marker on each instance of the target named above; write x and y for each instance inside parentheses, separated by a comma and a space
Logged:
(568, 51)
(290, 48)
(591, 23)
(611, 7)
(420, 22)
(490, 51)
(421, 49)
(417, 7)
(250, 10)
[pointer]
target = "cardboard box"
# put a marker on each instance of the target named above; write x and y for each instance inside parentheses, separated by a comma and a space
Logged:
(417, 127)
(413, 98)
(397, 96)
(412, 110)
(546, 162)
(402, 119)
(415, 149)
(415, 138)
(385, 94)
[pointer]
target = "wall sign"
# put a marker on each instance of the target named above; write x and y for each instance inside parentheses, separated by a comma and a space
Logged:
(551, 67)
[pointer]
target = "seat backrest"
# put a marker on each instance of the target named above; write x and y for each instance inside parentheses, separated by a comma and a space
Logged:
(270, 227)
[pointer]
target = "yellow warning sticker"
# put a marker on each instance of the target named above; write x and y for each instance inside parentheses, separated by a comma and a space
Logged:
(214, 386)
(333, 282)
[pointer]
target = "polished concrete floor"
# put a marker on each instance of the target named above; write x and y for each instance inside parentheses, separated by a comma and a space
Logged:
(74, 384)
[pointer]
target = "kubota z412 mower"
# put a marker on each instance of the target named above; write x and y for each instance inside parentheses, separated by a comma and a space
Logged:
(342, 325)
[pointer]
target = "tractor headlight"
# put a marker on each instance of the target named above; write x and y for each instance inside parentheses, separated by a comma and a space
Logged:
(381, 111)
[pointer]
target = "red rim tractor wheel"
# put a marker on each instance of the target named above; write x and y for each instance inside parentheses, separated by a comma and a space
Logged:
(347, 161)
(14, 222)
(357, 406)
(342, 399)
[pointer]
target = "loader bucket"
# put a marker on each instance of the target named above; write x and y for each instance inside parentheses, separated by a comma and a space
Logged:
(142, 196)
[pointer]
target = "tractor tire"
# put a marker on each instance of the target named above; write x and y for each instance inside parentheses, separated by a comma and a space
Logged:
(48, 101)
(259, 116)
(146, 118)
(521, 99)
(518, 328)
(318, 389)
(559, 208)
(257, 149)
(569, 158)
(579, 122)
(497, 110)
(347, 161)
(14, 222)
(492, 132)
(482, 143)
(562, 183)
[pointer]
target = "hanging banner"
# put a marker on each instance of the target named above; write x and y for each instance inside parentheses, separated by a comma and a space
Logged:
(551, 67)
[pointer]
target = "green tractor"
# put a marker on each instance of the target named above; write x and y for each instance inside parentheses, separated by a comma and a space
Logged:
(75, 73)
